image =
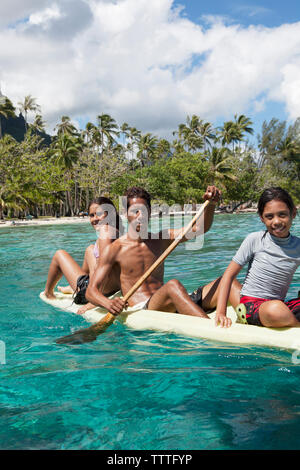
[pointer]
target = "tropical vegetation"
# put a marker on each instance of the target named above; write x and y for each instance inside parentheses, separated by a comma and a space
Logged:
(106, 158)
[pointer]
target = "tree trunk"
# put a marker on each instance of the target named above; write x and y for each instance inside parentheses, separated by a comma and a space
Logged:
(80, 199)
(69, 207)
(76, 197)
(87, 198)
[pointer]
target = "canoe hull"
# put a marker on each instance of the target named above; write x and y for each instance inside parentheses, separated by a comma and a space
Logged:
(286, 338)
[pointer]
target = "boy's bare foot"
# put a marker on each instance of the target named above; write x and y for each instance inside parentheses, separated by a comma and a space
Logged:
(50, 295)
(65, 290)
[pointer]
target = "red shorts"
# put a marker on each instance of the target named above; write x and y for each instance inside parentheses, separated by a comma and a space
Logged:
(252, 305)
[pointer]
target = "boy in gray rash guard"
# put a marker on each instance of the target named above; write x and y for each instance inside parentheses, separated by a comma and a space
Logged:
(273, 258)
(272, 264)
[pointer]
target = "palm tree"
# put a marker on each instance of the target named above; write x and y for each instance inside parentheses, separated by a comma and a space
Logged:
(243, 125)
(108, 130)
(289, 150)
(228, 133)
(195, 125)
(66, 150)
(6, 109)
(125, 131)
(12, 199)
(29, 104)
(190, 133)
(233, 131)
(220, 164)
(182, 134)
(272, 135)
(134, 134)
(177, 145)
(147, 147)
(163, 149)
(65, 154)
(207, 133)
(65, 126)
(38, 123)
(92, 137)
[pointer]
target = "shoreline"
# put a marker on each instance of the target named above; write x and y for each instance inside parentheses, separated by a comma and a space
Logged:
(46, 221)
(81, 220)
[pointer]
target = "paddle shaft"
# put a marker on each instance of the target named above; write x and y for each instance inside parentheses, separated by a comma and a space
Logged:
(109, 318)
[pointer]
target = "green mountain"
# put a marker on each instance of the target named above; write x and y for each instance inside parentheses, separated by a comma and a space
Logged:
(15, 126)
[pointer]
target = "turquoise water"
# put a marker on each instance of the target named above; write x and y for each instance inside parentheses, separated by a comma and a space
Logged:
(134, 389)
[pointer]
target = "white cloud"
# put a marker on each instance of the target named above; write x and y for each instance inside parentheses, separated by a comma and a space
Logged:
(144, 62)
(290, 88)
(45, 16)
(13, 11)
(259, 105)
(252, 10)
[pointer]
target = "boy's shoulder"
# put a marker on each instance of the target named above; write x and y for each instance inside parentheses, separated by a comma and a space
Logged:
(255, 235)
(113, 248)
(295, 239)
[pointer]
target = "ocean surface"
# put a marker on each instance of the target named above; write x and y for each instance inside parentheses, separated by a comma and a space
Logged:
(135, 390)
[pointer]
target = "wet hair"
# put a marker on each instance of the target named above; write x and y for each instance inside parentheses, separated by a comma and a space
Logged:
(277, 194)
(141, 193)
(105, 200)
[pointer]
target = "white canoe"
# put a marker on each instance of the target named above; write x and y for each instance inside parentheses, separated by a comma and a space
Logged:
(287, 338)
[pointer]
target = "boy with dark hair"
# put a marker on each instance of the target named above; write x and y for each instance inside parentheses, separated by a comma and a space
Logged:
(136, 191)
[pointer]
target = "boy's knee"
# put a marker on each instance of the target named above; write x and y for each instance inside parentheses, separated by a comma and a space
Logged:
(174, 285)
(275, 313)
(60, 254)
(269, 309)
(273, 308)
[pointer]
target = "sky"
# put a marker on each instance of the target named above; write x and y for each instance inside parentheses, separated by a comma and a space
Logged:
(152, 63)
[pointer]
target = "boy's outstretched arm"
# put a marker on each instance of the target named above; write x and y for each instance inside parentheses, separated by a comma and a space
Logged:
(224, 290)
(213, 194)
(204, 223)
(94, 290)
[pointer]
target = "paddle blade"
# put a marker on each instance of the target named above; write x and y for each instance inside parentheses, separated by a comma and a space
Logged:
(79, 337)
(87, 335)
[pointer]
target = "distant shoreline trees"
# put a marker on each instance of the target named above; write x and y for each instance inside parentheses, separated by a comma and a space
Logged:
(105, 158)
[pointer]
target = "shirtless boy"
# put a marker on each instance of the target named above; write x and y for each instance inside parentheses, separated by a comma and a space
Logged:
(136, 251)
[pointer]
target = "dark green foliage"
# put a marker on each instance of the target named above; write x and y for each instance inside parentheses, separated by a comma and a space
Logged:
(46, 175)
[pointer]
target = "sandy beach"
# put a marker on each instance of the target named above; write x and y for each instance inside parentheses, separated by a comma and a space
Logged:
(46, 221)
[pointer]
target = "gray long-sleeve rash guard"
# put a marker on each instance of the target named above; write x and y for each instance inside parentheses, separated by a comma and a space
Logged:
(272, 264)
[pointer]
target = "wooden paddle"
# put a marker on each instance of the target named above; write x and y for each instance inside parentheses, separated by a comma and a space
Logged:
(90, 334)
